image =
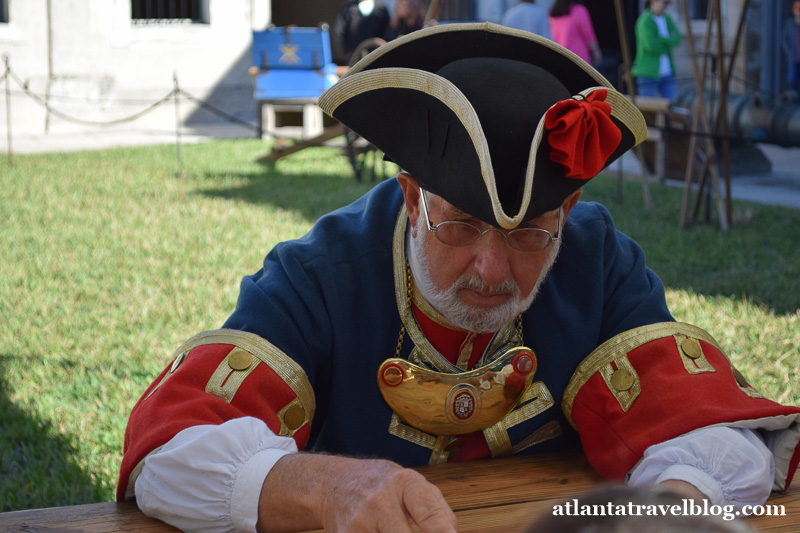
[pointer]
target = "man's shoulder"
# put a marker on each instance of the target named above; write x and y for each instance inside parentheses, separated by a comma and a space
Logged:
(588, 227)
(589, 213)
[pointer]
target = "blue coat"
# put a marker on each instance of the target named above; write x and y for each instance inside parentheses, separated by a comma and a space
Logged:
(327, 300)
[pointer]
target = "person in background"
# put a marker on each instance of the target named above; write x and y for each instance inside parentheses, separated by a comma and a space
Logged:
(571, 27)
(529, 17)
(359, 20)
(656, 35)
(791, 45)
(409, 15)
(492, 10)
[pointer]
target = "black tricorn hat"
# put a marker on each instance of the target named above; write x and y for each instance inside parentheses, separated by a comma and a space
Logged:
(501, 123)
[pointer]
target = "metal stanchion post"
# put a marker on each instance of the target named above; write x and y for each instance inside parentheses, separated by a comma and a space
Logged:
(176, 92)
(8, 105)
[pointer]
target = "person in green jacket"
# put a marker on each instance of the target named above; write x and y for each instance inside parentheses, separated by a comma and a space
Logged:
(656, 36)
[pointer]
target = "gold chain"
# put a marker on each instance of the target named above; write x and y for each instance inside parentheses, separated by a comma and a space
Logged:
(401, 337)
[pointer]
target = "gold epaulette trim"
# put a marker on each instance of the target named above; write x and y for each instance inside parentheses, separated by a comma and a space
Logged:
(612, 357)
(250, 349)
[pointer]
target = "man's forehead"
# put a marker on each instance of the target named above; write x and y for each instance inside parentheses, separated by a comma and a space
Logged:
(454, 212)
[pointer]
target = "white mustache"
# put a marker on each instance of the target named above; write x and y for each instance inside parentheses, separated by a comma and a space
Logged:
(476, 283)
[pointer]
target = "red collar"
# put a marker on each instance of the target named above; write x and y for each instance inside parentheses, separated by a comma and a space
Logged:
(451, 342)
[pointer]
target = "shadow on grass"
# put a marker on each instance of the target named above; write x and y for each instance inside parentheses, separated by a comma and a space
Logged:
(36, 467)
(310, 194)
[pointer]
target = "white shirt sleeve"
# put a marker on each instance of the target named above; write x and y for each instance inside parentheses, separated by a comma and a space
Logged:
(730, 466)
(208, 478)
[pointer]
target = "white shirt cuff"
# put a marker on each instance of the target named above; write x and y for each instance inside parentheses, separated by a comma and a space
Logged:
(731, 466)
(209, 478)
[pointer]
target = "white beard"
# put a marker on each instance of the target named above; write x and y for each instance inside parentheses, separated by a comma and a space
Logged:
(447, 302)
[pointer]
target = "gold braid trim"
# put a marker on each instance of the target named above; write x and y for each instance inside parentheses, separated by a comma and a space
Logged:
(626, 112)
(262, 350)
(436, 443)
(535, 400)
(616, 349)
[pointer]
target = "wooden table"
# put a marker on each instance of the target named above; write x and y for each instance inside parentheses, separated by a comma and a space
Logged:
(488, 496)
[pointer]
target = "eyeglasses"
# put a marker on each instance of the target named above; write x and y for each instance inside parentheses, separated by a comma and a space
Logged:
(455, 233)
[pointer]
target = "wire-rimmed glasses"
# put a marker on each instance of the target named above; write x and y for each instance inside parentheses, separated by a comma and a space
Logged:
(457, 233)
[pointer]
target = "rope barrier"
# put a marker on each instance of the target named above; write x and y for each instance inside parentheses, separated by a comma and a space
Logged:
(40, 100)
(36, 98)
(174, 95)
(222, 114)
(188, 96)
(71, 99)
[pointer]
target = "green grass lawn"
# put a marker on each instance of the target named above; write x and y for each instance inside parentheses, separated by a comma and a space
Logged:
(109, 262)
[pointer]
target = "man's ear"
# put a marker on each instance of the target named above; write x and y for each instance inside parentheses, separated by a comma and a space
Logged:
(570, 202)
(411, 192)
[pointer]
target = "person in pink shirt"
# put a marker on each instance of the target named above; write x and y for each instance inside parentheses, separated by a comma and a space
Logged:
(571, 27)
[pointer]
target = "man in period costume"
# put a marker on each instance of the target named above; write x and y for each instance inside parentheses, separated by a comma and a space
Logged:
(469, 308)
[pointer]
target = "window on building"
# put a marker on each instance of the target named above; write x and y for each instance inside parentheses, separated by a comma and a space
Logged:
(169, 11)
(3, 11)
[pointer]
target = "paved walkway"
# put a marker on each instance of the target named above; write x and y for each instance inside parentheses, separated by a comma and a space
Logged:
(781, 186)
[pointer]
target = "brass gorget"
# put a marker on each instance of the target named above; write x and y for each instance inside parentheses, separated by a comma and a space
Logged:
(431, 394)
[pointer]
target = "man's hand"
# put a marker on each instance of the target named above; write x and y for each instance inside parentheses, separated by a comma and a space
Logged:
(306, 491)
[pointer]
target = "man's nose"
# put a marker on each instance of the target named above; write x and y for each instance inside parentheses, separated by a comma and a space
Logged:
(491, 257)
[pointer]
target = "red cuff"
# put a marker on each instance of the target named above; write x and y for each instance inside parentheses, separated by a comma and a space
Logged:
(658, 382)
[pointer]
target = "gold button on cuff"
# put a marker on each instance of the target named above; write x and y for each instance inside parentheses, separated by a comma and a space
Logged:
(294, 417)
(239, 359)
(622, 380)
(691, 347)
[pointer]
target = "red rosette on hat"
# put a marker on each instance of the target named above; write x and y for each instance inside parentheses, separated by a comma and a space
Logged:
(582, 135)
